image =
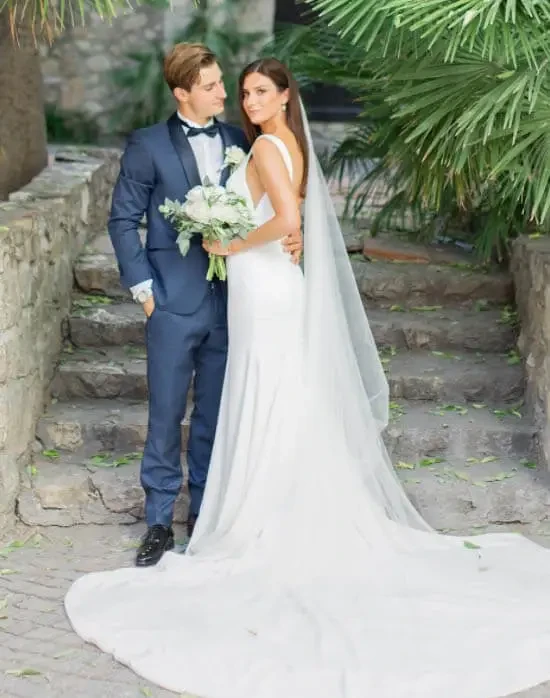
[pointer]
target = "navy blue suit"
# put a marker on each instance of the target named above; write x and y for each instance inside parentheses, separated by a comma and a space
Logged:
(187, 332)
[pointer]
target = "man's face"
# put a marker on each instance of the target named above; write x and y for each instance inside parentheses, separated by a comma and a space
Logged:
(206, 98)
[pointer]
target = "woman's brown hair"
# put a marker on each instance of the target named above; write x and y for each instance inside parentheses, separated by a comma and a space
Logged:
(278, 73)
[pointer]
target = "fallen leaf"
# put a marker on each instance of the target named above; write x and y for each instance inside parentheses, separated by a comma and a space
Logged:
(405, 466)
(66, 653)
(471, 546)
(499, 478)
(528, 464)
(426, 462)
(28, 671)
(51, 453)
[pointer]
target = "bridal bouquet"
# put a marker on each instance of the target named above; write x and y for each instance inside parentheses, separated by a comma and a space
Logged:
(217, 214)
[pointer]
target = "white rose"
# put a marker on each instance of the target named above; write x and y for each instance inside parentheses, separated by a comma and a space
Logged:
(195, 194)
(234, 156)
(198, 211)
(226, 214)
(213, 194)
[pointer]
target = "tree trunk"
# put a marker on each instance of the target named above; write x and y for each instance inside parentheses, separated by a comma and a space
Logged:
(23, 152)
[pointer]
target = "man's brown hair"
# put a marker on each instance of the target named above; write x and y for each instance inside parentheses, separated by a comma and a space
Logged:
(183, 64)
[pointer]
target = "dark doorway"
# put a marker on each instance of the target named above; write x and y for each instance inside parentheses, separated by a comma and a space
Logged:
(324, 102)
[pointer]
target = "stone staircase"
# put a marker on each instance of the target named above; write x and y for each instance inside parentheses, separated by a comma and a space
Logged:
(458, 437)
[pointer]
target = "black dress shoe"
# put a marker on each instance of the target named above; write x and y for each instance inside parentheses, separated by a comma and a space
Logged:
(155, 543)
(191, 521)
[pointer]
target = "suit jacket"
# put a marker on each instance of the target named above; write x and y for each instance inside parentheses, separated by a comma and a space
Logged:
(157, 164)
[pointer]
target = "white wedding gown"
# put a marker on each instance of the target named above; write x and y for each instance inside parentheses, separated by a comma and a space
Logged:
(299, 581)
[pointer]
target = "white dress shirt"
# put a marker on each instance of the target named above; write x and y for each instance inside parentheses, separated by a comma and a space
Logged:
(209, 155)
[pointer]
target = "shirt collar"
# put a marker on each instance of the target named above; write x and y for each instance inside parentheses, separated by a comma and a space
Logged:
(188, 123)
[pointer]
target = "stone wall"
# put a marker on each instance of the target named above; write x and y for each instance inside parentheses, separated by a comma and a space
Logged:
(77, 68)
(43, 228)
(531, 270)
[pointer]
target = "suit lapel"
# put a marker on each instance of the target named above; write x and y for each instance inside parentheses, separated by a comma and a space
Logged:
(183, 150)
(226, 140)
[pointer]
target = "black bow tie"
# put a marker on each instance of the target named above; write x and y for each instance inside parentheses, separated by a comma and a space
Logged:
(211, 130)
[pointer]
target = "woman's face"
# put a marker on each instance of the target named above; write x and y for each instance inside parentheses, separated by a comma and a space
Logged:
(262, 99)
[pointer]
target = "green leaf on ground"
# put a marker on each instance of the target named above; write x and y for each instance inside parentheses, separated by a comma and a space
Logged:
(402, 465)
(471, 546)
(486, 459)
(426, 462)
(105, 460)
(27, 671)
(460, 475)
(91, 301)
(147, 692)
(51, 453)
(427, 308)
(445, 355)
(443, 410)
(528, 464)
(396, 410)
(499, 477)
(6, 571)
(509, 412)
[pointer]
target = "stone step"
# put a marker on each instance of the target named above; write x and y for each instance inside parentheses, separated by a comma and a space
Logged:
(119, 324)
(98, 273)
(113, 372)
(419, 429)
(97, 426)
(412, 284)
(455, 495)
(453, 377)
(73, 489)
(416, 429)
(452, 329)
(380, 282)
(120, 372)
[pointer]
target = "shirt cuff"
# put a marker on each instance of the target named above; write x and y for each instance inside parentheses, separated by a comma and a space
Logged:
(146, 285)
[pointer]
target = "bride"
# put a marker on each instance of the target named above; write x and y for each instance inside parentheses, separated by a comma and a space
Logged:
(309, 573)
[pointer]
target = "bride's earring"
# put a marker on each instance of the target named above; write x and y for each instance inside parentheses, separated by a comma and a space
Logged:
(283, 107)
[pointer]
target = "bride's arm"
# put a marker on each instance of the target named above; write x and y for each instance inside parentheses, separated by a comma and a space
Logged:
(275, 180)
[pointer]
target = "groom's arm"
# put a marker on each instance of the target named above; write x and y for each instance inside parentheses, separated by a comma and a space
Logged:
(131, 198)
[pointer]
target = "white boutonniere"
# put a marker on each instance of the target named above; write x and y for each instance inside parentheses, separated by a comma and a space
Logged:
(233, 157)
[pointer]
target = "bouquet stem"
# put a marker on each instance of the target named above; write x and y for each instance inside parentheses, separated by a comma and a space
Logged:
(216, 267)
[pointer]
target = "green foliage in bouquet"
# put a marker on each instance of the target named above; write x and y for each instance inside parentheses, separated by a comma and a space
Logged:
(215, 213)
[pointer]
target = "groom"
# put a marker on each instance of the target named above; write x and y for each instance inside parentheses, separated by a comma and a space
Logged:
(186, 326)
